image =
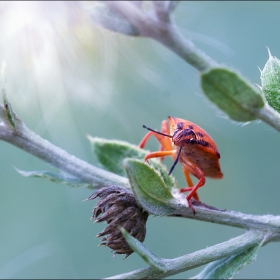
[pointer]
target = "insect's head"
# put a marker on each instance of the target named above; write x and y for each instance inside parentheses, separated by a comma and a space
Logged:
(181, 131)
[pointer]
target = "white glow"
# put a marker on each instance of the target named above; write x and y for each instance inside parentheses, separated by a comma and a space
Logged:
(54, 54)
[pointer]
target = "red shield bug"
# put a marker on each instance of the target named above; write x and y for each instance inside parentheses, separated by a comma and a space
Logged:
(190, 145)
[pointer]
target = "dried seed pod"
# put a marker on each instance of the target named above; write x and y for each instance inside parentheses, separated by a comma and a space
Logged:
(118, 207)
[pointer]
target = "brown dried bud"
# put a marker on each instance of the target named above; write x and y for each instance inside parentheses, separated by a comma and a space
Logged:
(119, 208)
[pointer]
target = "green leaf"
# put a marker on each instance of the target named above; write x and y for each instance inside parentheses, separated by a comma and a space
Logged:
(64, 180)
(102, 15)
(270, 77)
(143, 251)
(226, 268)
(111, 153)
(148, 188)
(231, 93)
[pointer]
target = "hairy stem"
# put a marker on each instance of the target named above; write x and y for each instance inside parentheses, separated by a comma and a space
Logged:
(268, 115)
(263, 223)
(27, 140)
(196, 259)
(166, 32)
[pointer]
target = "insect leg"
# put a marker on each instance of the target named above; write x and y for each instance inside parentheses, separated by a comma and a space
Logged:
(187, 176)
(192, 193)
(145, 139)
(198, 173)
(160, 154)
(165, 142)
(163, 137)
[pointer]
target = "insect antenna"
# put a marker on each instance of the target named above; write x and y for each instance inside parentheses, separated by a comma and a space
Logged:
(176, 160)
(167, 135)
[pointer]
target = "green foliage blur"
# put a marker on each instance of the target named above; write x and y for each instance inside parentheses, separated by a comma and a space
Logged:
(67, 78)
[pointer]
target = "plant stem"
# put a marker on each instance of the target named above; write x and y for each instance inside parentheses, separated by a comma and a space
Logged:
(269, 223)
(175, 41)
(268, 115)
(166, 32)
(196, 259)
(27, 140)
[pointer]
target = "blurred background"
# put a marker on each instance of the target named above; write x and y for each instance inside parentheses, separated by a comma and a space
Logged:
(67, 77)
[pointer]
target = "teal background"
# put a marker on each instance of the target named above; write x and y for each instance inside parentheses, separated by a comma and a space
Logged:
(67, 77)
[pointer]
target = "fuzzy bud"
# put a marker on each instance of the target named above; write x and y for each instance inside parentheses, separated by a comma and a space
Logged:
(270, 77)
(118, 208)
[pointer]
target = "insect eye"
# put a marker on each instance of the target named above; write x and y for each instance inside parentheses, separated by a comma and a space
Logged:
(192, 141)
(180, 125)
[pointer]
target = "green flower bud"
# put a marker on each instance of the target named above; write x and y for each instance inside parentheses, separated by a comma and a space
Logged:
(270, 77)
